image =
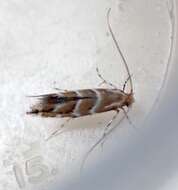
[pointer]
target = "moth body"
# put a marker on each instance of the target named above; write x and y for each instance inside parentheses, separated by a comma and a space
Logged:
(81, 103)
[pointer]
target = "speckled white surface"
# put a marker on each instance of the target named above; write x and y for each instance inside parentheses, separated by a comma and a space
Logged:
(46, 44)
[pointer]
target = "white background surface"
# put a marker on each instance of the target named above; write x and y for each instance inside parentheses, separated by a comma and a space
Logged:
(43, 42)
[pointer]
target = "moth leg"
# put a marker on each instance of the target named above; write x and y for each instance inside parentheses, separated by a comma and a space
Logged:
(110, 122)
(55, 133)
(103, 80)
(58, 89)
(128, 118)
(108, 125)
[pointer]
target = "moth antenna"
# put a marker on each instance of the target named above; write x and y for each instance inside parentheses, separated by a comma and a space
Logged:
(102, 139)
(91, 149)
(119, 50)
(125, 83)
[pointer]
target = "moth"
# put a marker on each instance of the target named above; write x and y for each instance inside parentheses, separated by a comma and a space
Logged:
(78, 103)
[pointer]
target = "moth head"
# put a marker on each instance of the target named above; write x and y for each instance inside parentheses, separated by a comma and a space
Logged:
(129, 100)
